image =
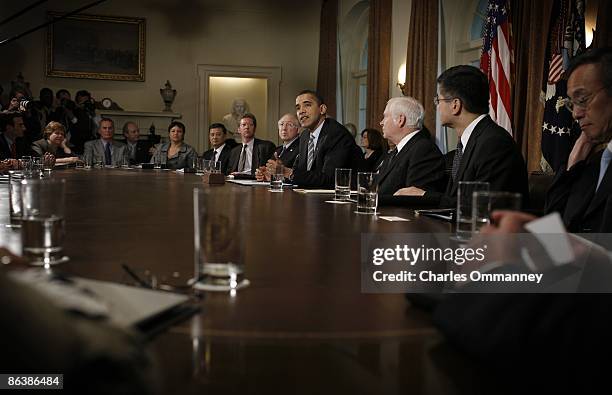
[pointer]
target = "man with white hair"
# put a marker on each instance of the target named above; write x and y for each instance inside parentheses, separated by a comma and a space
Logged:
(416, 160)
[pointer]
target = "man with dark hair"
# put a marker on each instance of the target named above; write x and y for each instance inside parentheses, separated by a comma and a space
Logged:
(582, 190)
(138, 150)
(253, 152)
(485, 151)
(325, 145)
(81, 117)
(105, 150)
(11, 138)
(221, 146)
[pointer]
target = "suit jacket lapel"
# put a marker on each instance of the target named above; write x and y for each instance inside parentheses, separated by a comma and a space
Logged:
(469, 149)
(605, 188)
(255, 158)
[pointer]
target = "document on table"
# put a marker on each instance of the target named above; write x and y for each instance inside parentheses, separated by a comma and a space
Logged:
(250, 183)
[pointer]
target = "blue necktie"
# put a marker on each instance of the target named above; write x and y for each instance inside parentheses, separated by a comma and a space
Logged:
(603, 166)
(107, 155)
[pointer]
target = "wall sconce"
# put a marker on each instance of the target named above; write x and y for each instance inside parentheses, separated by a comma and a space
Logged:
(401, 77)
(590, 34)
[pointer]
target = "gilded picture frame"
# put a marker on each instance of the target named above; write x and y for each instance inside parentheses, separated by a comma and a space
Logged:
(96, 47)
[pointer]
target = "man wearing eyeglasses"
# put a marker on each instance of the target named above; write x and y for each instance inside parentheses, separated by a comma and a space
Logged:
(485, 151)
(582, 190)
(288, 131)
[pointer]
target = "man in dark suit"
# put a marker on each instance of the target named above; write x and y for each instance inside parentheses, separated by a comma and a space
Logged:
(137, 150)
(252, 153)
(324, 146)
(288, 131)
(416, 160)
(11, 138)
(485, 151)
(221, 146)
(582, 190)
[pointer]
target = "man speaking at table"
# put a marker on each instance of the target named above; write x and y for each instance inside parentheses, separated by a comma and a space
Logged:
(325, 145)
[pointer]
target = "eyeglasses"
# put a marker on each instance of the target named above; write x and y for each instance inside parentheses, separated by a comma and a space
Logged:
(583, 102)
(437, 100)
(288, 124)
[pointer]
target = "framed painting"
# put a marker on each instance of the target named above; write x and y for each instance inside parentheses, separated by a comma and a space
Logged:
(96, 47)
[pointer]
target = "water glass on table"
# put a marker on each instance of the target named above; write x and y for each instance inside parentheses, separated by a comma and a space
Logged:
(42, 220)
(219, 238)
(343, 184)
(15, 178)
(485, 202)
(367, 193)
(276, 178)
(464, 207)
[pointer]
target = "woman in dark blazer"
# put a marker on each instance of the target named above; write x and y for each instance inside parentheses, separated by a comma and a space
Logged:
(54, 143)
(374, 145)
(175, 154)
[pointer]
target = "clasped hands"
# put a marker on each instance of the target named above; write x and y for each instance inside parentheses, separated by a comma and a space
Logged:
(264, 173)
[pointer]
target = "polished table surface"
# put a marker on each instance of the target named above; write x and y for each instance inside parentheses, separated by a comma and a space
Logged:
(303, 325)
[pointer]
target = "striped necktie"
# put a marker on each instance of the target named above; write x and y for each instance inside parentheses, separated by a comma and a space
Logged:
(311, 149)
(457, 160)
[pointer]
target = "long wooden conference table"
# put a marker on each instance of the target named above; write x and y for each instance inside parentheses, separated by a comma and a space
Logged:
(302, 326)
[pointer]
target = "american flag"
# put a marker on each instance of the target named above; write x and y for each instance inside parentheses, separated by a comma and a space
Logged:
(565, 40)
(496, 61)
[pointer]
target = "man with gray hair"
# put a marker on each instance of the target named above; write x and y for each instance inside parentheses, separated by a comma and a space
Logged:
(416, 160)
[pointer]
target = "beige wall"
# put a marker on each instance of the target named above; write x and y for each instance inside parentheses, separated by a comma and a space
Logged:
(254, 91)
(180, 35)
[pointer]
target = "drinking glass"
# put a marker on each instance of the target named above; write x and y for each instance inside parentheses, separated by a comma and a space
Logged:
(343, 184)
(485, 202)
(464, 207)
(367, 193)
(219, 238)
(42, 220)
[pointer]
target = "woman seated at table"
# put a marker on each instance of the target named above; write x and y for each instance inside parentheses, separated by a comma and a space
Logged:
(374, 145)
(54, 143)
(175, 154)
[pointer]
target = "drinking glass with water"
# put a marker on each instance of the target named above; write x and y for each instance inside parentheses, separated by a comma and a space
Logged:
(367, 193)
(42, 220)
(343, 184)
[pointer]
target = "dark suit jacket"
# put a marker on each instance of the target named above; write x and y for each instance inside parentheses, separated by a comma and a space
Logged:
(336, 148)
(142, 152)
(420, 163)
(288, 155)
(492, 156)
(262, 151)
(372, 161)
(5, 150)
(224, 157)
(573, 195)
(42, 146)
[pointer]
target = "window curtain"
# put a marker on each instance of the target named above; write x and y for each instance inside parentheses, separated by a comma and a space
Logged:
(603, 29)
(530, 24)
(379, 53)
(326, 75)
(422, 58)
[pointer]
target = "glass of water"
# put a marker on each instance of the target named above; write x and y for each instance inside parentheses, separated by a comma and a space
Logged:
(219, 238)
(343, 184)
(367, 193)
(42, 220)
(15, 178)
(276, 179)
(464, 207)
(485, 202)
